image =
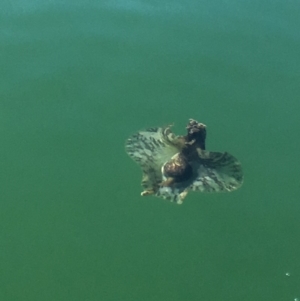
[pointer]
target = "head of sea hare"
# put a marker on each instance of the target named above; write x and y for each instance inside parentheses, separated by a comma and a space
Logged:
(174, 165)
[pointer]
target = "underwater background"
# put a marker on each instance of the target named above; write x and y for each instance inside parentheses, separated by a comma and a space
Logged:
(77, 79)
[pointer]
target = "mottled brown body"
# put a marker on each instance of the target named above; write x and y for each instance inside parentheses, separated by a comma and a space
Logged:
(179, 169)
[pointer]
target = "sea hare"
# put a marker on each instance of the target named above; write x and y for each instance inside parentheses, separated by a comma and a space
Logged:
(174, 165)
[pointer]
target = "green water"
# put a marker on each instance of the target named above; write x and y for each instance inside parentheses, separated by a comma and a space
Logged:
(77, 78)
